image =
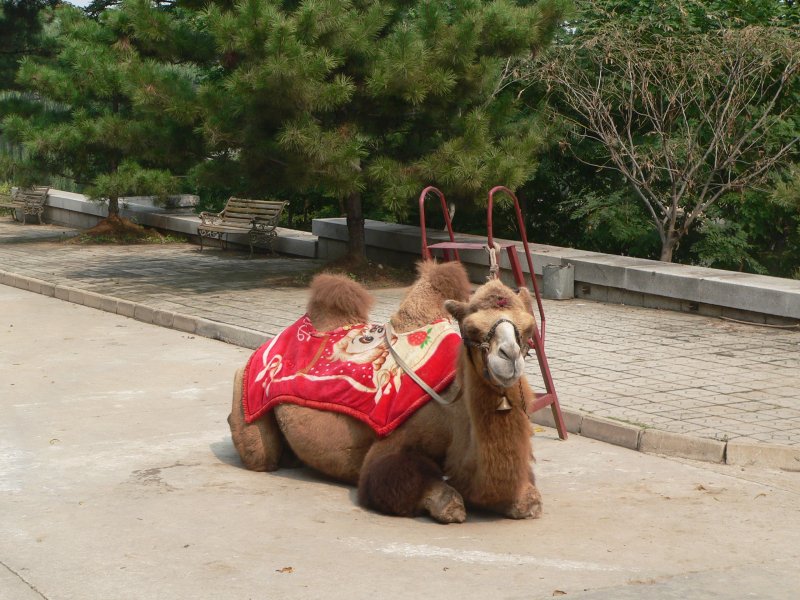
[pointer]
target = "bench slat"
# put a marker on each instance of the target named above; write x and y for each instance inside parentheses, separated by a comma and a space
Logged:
(239, 215)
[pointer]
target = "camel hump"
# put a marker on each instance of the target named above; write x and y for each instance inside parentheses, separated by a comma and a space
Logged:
(449, 280)
(424, 301)
(337, 300)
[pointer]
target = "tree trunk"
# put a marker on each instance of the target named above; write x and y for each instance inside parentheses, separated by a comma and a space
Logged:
(667, 248)
(356, 246)
(113, 207)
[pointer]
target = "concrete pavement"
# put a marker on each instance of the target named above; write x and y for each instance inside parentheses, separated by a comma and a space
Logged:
(629, 375)
(118, 480)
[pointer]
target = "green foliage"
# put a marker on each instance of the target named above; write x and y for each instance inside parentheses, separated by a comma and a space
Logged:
(130, 179)
(20, 27)
(111, 108)
(692, 102)
(375, 99)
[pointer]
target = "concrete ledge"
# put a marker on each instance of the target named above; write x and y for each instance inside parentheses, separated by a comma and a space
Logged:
(612, 432)
(786, 458)
(602, 277)
(683, 446)
(76, 210)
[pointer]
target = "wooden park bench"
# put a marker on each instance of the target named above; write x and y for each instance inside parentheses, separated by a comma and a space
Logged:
(30, 202)
(257, 218)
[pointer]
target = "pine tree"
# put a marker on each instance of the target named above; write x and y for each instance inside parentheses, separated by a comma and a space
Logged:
(368, 101)
(117, 116)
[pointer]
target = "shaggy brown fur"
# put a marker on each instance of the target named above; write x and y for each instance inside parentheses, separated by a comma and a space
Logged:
(485, 453)
(396, 483)
(424, 302)
(337, 300)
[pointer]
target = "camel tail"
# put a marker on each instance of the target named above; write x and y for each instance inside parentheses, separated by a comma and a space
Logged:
(337, 300)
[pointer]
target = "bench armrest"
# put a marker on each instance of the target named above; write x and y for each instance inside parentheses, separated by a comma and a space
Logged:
(209, 218)
(259, 224)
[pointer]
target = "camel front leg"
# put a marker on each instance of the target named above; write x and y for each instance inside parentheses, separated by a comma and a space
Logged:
(406, 483)
(527, 504)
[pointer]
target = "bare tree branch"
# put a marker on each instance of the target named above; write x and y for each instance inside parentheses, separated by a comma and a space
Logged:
(685, 120)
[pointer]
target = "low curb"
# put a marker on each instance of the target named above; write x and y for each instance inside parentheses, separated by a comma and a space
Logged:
(642, 439)
(675, 445)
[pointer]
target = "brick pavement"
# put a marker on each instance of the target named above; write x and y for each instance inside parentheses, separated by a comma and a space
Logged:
(664, 370)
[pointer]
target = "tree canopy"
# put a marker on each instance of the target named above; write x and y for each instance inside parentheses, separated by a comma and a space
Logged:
(369, 101)
(691, 103)
(651, 127)
(107, 109)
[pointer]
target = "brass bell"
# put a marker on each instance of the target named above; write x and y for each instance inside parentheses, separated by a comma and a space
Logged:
(504, 405)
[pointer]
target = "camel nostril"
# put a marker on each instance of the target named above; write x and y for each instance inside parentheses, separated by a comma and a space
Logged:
(506, 353)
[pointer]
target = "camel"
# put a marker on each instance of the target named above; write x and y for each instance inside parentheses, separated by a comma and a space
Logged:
(472, 450)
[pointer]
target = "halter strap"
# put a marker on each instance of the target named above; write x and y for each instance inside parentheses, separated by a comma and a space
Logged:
(484, 343)
(410, 372)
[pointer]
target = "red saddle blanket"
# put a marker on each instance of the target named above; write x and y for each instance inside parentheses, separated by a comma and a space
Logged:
(350, 370)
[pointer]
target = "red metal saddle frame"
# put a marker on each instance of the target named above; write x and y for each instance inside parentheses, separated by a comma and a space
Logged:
(450, 252)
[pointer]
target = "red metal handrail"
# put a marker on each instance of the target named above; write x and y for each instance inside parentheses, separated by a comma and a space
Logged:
(426, 253)
(528, 257)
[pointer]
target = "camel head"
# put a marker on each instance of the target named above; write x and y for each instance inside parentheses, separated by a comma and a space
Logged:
(496, 324)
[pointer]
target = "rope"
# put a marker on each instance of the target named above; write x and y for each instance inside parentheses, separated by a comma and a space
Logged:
(494, 268)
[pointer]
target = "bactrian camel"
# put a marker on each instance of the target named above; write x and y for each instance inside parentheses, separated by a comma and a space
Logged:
(472, 450)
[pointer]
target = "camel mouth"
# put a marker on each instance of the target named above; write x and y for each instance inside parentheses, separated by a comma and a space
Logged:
(505, 372)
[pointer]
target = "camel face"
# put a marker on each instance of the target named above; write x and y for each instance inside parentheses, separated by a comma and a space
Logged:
(499, 323)
(502, 338)
(504, 360)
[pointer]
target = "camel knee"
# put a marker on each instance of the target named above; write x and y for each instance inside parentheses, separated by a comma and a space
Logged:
(258, 443)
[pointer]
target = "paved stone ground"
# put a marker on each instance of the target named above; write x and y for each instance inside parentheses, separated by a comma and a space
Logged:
(670, 371)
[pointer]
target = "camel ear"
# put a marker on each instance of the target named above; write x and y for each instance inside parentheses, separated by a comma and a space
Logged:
(525, 296)
(457, 309)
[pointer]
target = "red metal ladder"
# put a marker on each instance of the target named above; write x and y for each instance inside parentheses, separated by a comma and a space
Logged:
(450, 252)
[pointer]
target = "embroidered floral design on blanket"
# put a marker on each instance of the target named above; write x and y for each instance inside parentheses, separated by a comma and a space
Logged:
(350, 370)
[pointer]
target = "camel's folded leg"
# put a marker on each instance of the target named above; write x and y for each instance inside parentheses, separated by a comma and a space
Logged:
(259, 444)
(406, 483)
(527, 504)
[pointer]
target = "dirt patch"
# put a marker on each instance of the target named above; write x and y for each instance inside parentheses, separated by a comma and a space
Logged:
(370, 274)
(116, 230)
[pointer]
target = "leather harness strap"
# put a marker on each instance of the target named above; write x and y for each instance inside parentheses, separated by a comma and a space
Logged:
(410, 372)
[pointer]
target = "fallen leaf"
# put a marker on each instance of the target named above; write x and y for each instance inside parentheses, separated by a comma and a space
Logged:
(285, 570)
(559, 593)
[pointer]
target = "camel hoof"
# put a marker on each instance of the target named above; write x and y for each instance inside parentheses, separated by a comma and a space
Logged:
(446, 506)
(528, 506)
